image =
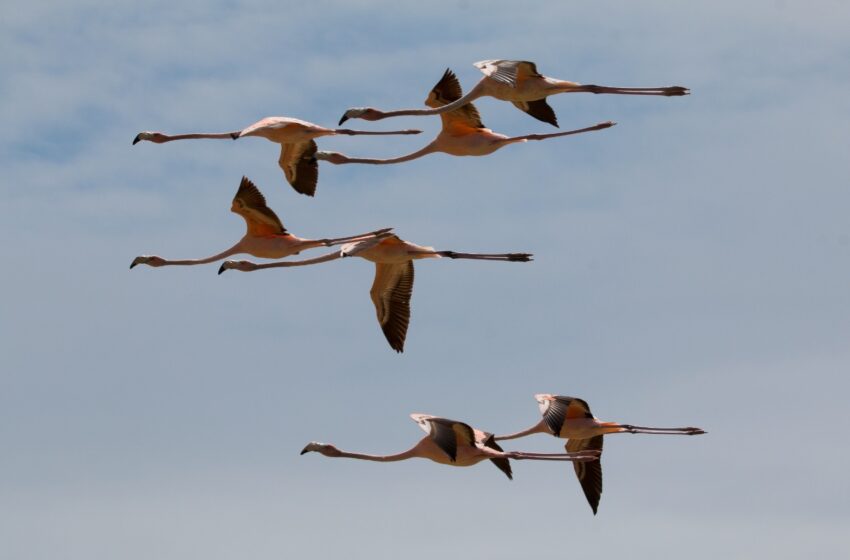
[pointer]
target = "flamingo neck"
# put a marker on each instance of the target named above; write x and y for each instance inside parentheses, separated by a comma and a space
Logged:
(415, 155)
(284, 264)
(410, 453)
(224, 254)
(473, 94)
(539, 428)
(195, 135)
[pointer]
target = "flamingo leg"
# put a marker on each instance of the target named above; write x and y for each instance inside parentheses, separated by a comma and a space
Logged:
(599, 126)
(690, 431)
(517, 257)
(338, 240)
(350, 132)
(672, 91)
(575, 457)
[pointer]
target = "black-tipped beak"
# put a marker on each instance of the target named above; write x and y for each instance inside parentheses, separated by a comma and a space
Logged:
(342, 120)
(134, 263)
(303, 451)
(220, 269)
(136, 139)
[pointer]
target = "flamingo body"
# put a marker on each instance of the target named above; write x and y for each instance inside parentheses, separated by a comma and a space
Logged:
(518, 80)
(283, 130)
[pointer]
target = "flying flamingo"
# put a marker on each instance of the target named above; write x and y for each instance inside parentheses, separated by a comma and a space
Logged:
(393, 285)
(454, 443)
(297, 145)
(570, 418)
(462, 133)
(516, 81)
(265, 237)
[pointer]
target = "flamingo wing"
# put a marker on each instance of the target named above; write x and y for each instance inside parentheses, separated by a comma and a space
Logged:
(589, 473)
(250, 203)
(447, 434)
(448, 90)
(538, 109)
(300, 166)
(489, 440)
(509, 72)
(391, 292)
(561, 408)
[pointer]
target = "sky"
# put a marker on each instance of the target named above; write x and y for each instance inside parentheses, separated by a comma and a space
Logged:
(691, 269)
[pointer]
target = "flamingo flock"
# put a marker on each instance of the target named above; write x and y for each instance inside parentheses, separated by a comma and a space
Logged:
(462, 133)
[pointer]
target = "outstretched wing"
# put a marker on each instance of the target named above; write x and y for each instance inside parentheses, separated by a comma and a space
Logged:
(561, 408)
(250, 203)
(509, 72)
(589, 473)
(538, 109)
(504, 465)
(299, 164)
(447, 433)
(391, 292)
(448, 90)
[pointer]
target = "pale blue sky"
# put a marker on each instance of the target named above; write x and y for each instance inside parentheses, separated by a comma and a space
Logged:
(691, 269)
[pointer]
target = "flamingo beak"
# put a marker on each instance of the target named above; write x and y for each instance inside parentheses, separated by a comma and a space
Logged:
(305, 450)
(342, 120)
(220, 269)
(136, 140)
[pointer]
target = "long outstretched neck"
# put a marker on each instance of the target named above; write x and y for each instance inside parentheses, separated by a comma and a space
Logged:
(162, 138)
(284, 264)
(472, 95)
(415, 155)
(539, 428)
(410, 453)
(516, 257)
(236, 249)
(631, 429)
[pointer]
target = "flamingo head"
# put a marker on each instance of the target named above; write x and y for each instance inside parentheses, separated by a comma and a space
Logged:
(155, 137)
(325, 449)
(150, 260)
(244, 266)
(365, 113)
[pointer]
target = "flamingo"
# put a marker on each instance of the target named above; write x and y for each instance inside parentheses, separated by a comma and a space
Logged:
(462, 133)
(570, 418)
(265, 236)
(393, 285)
(296, 139)
(519, 82)
(450, 442)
